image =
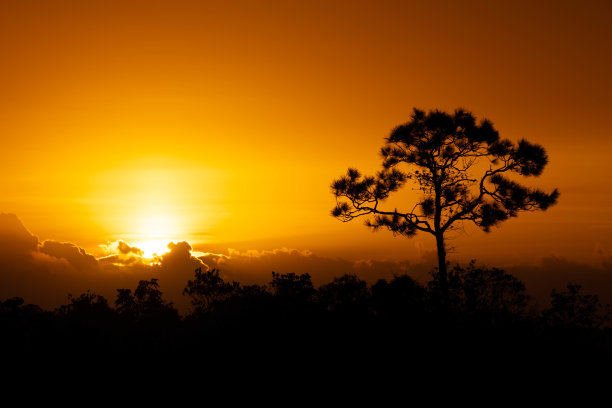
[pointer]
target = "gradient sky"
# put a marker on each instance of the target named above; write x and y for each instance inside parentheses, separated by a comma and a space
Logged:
(223, 123)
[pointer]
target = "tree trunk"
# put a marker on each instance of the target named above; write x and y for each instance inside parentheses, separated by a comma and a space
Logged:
(442, 272)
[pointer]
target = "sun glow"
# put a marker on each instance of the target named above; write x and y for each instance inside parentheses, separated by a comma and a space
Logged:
(153, 247)
(157, 226)
(154, 231)
(154, 201)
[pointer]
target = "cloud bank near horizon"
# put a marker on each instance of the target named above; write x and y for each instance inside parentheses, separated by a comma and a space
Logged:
(45, 272)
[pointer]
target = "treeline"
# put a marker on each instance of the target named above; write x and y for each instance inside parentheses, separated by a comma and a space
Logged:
(489, 318)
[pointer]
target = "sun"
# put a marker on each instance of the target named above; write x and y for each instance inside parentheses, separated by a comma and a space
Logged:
(153, 201)
(154, 231)
(153, 248)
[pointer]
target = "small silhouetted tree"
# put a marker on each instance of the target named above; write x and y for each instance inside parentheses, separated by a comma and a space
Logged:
(489, 294)
(208, 288)
(401, 297)
(88, 304)
(440, 154)
(11, 305)
(146, 302)
(292, 286)
(345, 294)
(572, 309)
(125, 304)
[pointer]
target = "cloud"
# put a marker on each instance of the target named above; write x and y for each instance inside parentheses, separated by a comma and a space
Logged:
(44, 273)
(77, 257)
(121, 253)
(15, 239)
(125, 249)
(256, 266)
(606, 259)
(555, 272)
(120, 260)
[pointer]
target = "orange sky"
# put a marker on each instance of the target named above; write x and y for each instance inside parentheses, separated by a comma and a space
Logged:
(224, 123)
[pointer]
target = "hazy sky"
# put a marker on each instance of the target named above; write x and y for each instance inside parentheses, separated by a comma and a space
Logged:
(223, 123)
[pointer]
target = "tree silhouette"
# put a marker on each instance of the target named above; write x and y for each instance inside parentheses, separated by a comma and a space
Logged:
(345, 294)
(207, 288)
(294, 296)
(290, 285)
(489, 294)
(402, 296)
(439, 152)
(125, 303)
(86, 320)
(571, 309)
(146, 302)
(86, 304)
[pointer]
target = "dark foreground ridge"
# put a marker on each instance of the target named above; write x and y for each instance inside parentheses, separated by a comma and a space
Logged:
(288, 321)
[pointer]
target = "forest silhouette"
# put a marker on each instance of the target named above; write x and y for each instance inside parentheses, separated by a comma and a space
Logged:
(490, 321)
